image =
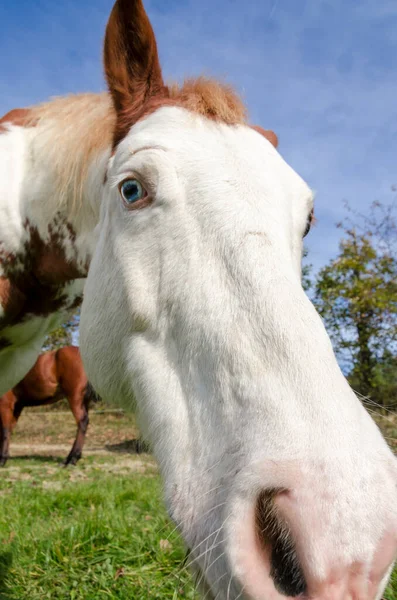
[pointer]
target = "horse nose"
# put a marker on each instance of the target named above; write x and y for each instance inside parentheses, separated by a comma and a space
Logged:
(301, 561)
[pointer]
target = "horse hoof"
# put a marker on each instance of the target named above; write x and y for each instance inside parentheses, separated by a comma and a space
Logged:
(3, 461)
(71, 461)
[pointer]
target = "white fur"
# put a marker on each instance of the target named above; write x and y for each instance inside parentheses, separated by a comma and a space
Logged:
(194, 307)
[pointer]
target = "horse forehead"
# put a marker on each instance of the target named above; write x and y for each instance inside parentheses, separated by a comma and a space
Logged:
(185, 134)
(197, 144)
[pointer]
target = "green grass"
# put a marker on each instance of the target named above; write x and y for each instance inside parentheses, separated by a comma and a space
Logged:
(89, 534)
(391, 593)
(92, 537)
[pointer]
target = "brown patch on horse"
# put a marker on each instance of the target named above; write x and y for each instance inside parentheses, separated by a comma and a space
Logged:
(267, 133)
(135, 81)
(17, 116)
(48, 257)
(34, 278)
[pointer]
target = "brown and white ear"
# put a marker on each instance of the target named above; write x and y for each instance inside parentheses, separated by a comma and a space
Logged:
(268, 134)
(131, 62)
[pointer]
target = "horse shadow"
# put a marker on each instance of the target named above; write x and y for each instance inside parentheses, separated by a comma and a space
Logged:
(133, 446)
(129, 447)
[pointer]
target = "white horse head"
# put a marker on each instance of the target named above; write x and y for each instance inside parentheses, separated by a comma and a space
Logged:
(277, 478)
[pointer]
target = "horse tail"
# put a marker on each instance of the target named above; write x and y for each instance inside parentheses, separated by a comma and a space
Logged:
(90, 394)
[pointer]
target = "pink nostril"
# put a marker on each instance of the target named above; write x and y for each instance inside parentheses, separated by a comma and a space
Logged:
(275, 540)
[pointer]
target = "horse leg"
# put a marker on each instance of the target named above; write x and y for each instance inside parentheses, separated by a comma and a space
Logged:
(5, 434)
(79, 406)
(10, 411)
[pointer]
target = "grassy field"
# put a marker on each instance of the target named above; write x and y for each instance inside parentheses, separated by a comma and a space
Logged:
(94, 532)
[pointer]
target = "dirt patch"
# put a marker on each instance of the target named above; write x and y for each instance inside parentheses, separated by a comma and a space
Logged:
(43, 439)
(55, 450)
(127, 465)
(54, 431)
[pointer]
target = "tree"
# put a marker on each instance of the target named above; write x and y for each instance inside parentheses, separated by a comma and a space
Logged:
(307, 269)
(356, 294)
(63, 335)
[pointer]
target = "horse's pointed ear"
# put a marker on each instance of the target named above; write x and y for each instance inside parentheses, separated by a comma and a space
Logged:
(131, 62)
(268, 134)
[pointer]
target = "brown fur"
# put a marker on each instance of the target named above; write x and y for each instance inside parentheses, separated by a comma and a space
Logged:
(34, 278)
(16, 116)
(267, 133)
(131, 62)
(55, 375)
(202, 96)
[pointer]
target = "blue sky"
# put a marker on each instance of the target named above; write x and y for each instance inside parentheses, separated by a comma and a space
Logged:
(321, 73)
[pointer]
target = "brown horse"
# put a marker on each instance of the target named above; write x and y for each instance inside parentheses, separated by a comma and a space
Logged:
(55, 375)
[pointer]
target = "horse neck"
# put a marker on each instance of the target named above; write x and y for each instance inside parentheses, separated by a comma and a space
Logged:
(63, 153)
(64, 221)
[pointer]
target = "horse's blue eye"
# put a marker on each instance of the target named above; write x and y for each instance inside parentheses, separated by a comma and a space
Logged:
(132, 191)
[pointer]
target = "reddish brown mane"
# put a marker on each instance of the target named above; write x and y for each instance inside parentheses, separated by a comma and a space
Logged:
(55, 375)
(203, 96)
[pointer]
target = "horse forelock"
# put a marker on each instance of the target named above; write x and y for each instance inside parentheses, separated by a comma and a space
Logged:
(203, 96)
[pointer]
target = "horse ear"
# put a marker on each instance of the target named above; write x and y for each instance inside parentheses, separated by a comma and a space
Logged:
(131, 62)
(268, 134)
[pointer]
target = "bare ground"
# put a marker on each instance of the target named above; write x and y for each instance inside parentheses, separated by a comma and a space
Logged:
(47, 435)
(53, 432)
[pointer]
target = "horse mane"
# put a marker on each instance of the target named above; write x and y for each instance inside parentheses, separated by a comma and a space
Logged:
(210, 98)
(73, 131)
(69, 134)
